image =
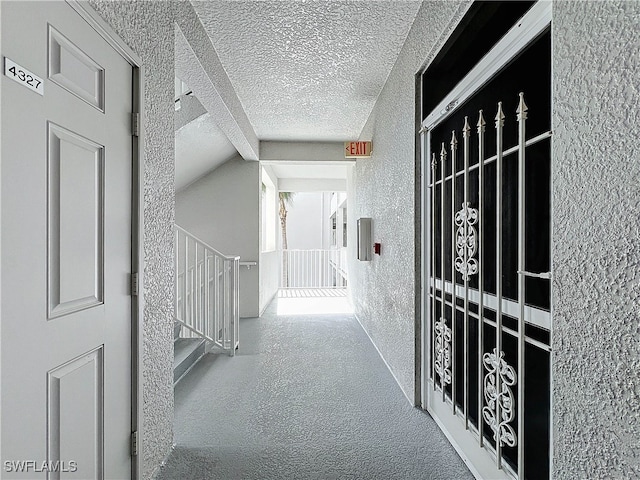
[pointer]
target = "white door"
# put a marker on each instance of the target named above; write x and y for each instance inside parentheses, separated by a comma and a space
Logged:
(66, 196)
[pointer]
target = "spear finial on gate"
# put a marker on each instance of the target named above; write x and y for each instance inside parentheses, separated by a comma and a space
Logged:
(499, 116)
(434, 162)
(443, 154)
(481, 123)
(454, 140)
(466, 129)
(522, 108)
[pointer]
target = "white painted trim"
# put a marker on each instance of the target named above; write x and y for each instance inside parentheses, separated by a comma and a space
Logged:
(532, 24)
(425, 270)
(552, 268)
(1, 322)
(411, 402)
(103, 29)
(137, 228)
(481, 463)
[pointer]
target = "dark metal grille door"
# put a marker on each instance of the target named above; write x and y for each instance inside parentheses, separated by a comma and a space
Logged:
(488, 254)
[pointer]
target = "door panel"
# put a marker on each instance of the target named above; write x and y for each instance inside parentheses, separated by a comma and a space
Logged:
(76, 221)
(66, 190)
(74, 70)
(74, 410)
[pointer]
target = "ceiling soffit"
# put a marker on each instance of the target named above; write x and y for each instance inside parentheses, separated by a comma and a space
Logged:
(307, 70)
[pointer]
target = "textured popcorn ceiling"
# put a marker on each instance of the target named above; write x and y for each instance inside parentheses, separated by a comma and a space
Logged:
(307, 70)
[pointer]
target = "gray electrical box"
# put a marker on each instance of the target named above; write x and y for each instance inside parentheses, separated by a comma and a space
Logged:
(364, 240)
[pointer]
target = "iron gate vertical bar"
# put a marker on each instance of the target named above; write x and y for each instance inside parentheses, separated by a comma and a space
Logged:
(481, 129)
(522, 117)
(499, 119)
(454, 147)
(466, 129)
(434, 163)
(443, 157)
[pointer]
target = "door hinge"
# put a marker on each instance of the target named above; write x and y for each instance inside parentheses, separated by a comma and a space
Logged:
(134, 443)
(135, 124)
(135, 285)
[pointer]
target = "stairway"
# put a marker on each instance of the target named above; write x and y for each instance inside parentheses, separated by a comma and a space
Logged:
(186, 353)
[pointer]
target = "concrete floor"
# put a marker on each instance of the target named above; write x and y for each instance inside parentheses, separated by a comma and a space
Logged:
(306, 397)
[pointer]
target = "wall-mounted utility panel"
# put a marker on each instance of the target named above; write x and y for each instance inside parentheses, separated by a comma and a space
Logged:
(364, 239)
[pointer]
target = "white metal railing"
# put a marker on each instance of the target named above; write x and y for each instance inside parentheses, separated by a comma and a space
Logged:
(207, 292)
(313, 269)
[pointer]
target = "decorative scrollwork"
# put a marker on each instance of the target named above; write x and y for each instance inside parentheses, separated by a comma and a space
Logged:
(466, 241)
(498, 419)
(443, 351)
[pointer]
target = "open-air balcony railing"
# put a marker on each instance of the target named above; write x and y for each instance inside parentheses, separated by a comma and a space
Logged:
(207, 292)
(313, 268)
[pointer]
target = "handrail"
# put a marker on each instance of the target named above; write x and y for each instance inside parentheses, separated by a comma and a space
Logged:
(205, 244)
(207, 286)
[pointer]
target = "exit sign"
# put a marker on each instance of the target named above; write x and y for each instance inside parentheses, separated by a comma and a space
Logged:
(357, 149)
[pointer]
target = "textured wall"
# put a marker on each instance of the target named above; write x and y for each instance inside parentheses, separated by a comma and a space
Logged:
(269, 277)
(223, 209)
(596, 246)
(147, 27)
(190, 109)
(269, 264)
(596, 206)
(383, 290)
(305, 221)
